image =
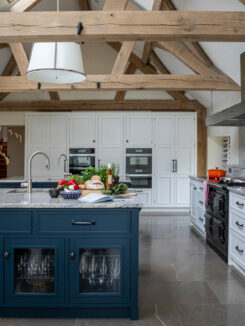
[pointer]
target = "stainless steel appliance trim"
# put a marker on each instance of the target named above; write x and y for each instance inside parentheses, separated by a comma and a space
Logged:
(83, 155)
(139, 175)
(139, 155)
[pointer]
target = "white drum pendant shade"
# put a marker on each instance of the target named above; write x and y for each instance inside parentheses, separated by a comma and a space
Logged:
(56, 62)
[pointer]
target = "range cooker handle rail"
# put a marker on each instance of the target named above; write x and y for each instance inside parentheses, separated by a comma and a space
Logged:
(222, 233)
(239, 225)
(239, 250)
(240, 204)
(83, 223)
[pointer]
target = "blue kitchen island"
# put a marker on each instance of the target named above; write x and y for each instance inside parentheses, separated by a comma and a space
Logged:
(64, 258)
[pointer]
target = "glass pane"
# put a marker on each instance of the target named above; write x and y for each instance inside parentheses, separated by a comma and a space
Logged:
(34, 270)
(139, 160)
(99, 270)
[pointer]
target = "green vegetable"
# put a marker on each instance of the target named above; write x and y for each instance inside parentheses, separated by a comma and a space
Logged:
(78, 178)
(120, 189)
(88, 173)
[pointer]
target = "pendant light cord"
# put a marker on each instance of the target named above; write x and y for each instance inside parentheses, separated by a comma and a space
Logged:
(56, 45)
(58, 5)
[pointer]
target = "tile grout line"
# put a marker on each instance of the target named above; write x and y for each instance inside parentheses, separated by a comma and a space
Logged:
(158, 318)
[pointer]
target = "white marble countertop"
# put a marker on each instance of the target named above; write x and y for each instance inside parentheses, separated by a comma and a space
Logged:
(22, 179)
(237, 190)
(198, 178)
(40, 199)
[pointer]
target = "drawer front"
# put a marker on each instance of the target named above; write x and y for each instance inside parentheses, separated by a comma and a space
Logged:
(200, 187)
(237, 202)
(87, 221)
(15, 222)
(200, 200)
(237, 222)
(237, 249)
(200, 219)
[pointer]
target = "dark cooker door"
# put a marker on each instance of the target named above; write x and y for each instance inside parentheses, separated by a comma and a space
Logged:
(217, 202)
(219, 237)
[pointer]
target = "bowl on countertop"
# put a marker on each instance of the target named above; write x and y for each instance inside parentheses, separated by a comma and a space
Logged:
(74, 194)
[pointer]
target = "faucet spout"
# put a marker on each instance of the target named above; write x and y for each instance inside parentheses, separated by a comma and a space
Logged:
(66, 172)
(29, 181)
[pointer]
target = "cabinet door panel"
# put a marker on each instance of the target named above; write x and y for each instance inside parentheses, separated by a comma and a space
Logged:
(139, 130)
(185, 161)
(111, 155)
(110, 131)
(82, 130)
(163, 162)
(165, 190)
(100, 271)
(34, 271)
(1, 270)
(182, 193)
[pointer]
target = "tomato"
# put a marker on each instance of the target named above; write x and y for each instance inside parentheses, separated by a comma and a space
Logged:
(61, 183)
(73, 183)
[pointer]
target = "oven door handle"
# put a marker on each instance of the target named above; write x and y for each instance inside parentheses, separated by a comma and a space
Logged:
(82, 155)
(139, 175)
(221, 233)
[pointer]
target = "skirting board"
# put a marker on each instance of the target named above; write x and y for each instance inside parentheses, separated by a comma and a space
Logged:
(164, 211)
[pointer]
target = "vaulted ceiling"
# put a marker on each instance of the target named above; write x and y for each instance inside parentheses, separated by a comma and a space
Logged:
(169, 57)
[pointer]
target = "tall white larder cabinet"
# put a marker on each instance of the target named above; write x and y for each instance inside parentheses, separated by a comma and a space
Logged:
(48, 133)
(111, 140)
(175, 153)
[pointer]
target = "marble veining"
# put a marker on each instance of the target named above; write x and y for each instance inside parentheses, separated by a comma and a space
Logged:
(41, 199)
(237, 190)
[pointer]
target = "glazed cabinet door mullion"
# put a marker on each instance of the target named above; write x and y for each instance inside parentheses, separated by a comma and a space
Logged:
(100, 270)
(34, 271)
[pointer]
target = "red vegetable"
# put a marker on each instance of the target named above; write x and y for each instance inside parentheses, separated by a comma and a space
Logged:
(73, 183)
(61, 183)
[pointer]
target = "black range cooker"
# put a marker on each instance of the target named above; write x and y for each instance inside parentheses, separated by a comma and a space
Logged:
(217, 214)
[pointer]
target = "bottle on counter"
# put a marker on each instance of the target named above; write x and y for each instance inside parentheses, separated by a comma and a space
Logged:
(109, 177)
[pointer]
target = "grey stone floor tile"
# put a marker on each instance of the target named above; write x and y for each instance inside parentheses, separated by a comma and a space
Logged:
(212, 315)
(168, 315)
(177, 292)
(232, 292)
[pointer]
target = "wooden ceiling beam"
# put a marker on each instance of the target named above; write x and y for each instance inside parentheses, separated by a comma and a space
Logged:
(120, 95)
(101, 26)
(115, 5)
(84, 5)
(20, 57)
(9, 69)
(126, 82)
(122, 58)
(24, 5)
(194, 47)
(163, 70)
(102, 105)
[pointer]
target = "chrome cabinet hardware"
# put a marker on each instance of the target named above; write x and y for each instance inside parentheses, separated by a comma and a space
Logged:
(200, 202)
(239, 225)
(240, 204)
(195, 188)
(201, 219)
(6, 255)
(72, 255)
(239, 250)
(83, 223)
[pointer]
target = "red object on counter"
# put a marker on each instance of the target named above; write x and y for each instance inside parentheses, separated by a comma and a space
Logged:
(73, 182)
(216, 174)
(61, 183)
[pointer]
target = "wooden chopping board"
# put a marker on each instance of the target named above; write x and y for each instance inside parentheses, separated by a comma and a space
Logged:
(87, 192)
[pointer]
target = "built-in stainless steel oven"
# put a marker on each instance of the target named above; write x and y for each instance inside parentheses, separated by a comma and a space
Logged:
(139, 161)
(139, 167)
(80, 159)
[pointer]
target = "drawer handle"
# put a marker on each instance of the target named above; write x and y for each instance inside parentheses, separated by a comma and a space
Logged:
(200, 202)
(240, 204)
(6, 255)
(239, 250)
(201, 219)
(239, 225)
(83, 223)
(139, 191)
(195, 188)
(201, 188)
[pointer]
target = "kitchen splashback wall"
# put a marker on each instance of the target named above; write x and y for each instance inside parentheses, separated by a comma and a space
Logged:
(242, 145)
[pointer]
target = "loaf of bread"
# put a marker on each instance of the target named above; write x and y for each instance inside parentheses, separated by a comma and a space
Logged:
(94, 185)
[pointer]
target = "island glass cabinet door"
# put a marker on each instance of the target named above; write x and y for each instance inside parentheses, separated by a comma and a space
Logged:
(100, 270)
(34, 271)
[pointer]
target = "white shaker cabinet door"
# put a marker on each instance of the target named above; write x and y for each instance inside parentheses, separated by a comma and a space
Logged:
(110, 140)
(164, 154)
(138, 130)
(185, 140)
(82, 129)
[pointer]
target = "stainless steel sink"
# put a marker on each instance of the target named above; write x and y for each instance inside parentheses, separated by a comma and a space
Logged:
(24, 191)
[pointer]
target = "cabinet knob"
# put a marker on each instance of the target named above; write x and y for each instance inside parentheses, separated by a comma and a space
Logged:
(93, 140)
(126, 141)
(6, 255)
(72, 255)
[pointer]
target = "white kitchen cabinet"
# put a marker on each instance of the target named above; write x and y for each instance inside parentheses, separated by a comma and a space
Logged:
(82, 130)
(197, 206)
(236, 252)
(144, 195)
(138, 130)
(48, 133)
(175, 158)
(110, 140)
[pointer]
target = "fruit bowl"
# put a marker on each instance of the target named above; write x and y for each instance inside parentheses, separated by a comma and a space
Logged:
(74, 194)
